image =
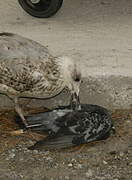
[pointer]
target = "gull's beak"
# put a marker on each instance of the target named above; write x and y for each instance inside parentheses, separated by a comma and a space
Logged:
(75, 102)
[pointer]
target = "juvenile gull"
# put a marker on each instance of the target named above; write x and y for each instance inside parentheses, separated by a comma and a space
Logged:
(27, 69)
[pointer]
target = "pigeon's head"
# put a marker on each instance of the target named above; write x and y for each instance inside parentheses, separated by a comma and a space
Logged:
(71, 76)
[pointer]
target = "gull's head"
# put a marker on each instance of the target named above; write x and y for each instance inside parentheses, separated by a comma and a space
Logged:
(71, 76)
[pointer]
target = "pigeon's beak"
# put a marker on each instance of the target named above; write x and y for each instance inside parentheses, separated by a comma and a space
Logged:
(75, 102)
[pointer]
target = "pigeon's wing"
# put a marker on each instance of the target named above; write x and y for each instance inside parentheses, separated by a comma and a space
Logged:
(59, 142)
(41, 118)
(94, 108)
(48, 119)
(41, 122)
(68, 120)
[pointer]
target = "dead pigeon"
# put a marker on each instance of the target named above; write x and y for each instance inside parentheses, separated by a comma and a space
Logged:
(68, 128)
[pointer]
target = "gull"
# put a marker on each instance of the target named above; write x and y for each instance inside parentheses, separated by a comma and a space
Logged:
(28, 70)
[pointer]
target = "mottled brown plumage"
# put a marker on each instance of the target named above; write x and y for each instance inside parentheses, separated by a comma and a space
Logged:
(27, 69)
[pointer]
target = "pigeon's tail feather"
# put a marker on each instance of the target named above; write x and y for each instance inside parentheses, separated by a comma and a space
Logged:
(53, 143)
(41, 118)
(45, 120)
(37, 122)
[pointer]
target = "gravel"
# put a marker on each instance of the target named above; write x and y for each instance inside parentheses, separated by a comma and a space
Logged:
(105, 160)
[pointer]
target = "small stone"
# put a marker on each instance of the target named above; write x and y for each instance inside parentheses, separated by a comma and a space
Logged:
(79, 166)
(11, 155)
(35, 151)
(104, 162)
(89, 173)
(130, 163)
(30, 142)
(13, 150)
(70, 165)
(49, 159)
(121, 154)
(73, 160)
(27, 151)
(21, 176)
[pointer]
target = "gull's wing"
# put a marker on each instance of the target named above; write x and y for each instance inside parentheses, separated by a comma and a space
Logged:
(16, 46)
(27, 67)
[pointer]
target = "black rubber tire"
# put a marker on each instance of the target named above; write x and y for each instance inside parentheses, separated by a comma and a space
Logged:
(43, 9)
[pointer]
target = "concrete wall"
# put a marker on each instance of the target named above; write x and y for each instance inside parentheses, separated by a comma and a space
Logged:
(97, 34)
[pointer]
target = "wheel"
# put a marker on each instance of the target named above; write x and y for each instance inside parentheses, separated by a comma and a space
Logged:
(41, 8)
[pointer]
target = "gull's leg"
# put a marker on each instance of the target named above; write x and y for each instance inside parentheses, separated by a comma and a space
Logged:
(20, 111)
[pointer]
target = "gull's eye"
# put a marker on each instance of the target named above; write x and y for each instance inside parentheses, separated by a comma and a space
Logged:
(77, 79)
